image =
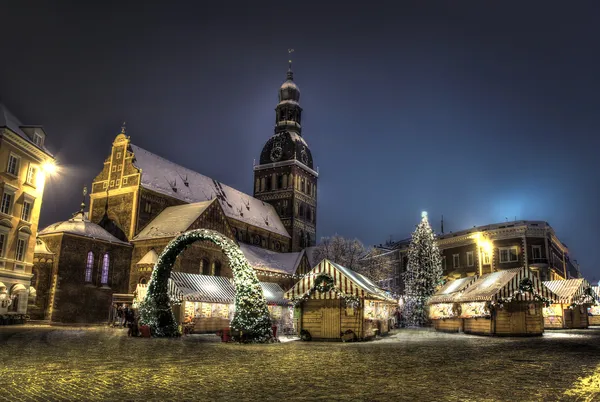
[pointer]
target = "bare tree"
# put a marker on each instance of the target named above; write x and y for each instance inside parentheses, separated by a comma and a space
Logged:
(352, 254)
(346, 252)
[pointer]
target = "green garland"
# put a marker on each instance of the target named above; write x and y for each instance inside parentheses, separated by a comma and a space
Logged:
(251, 314)
(323, 284)
(526, 286)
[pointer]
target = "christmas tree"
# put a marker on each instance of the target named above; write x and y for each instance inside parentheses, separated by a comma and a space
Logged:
(423, 273)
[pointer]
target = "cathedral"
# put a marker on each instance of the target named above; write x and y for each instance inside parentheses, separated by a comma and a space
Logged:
(140, 201)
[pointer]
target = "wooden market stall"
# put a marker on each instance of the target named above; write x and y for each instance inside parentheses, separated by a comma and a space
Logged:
(444, 310)
(594, 310)
(575, 297)
(505, 303)
(336, 303)
(205, 304)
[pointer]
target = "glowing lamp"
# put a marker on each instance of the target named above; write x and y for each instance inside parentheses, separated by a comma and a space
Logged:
(49, 167)
(485, 245)
(424, 214)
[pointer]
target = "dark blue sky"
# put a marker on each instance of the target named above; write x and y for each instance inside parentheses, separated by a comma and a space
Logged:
(475, 111)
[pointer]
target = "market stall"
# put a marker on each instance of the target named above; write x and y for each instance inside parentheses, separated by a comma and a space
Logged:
(444, 310)
(336, 303)
(205, 304)
(507, 303)
(575, 298)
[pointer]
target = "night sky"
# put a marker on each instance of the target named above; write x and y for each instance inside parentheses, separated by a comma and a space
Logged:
(475, 111)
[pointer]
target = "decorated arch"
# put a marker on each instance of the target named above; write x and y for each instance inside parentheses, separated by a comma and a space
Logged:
(251, 313)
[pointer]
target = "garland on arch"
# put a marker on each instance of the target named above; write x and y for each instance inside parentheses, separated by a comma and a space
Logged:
(251, 313)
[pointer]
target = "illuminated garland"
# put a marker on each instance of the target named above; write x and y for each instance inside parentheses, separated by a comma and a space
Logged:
(251, 313)
(526, 286)
(322, 282)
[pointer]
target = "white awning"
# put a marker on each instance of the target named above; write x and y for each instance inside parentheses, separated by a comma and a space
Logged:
(18, 288)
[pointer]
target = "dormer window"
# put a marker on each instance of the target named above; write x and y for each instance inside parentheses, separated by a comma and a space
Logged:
(38, 139)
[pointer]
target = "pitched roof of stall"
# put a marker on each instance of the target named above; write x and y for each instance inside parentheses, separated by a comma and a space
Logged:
(173, 221)
(572, 290)
(79, 225)
(346, 280)
(216, 289)
(262, 259)
(166, 177)
(451, 290)
(504, 284)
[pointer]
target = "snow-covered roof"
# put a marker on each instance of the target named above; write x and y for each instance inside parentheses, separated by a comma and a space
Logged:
(41, 248)
(150, 258)
(80, 226)
(173, 221)
(572, 290)
(345, 280)
(10, 121)
(451, 290)
(503, 285)
(267, 260)
(168, 178)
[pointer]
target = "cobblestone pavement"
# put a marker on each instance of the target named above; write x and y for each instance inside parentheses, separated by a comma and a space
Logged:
(59, 363)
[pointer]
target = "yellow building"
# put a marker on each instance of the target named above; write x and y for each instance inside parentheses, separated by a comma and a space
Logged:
(24, 164)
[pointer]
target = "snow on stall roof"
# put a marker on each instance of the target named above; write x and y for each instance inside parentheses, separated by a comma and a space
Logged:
(567, 289)
(173, 221)
(80, 226)
(487, 285)
(168, 178)
(268, 260)
(451, 289)
(362, 281)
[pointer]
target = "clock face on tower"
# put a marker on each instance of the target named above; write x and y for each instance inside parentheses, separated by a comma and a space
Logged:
(276, 153)
(304, 157)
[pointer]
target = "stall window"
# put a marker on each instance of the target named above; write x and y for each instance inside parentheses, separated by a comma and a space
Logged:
(105, 266)
(89, 265)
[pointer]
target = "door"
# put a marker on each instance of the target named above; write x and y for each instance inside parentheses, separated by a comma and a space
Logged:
(330, 324)
(517, 322)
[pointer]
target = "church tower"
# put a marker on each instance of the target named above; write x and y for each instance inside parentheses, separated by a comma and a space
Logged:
(285, 177)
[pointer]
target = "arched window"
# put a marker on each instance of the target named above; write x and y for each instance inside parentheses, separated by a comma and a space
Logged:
(204, 264)
(89, 266)
(143, 281)
(301, 210)
(216, 268)
(105, 265)
(302, 238)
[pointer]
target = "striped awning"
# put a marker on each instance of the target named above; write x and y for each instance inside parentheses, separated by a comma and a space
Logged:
(578, 291)
(596, 292)
(202, 288)
(503, 285)
(345, 280)
(452, 290)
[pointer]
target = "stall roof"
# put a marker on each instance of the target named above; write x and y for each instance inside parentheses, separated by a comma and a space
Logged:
(262, 259)
(451, 290)
(211, 289)
(345, 280)
(572, 290)
(504, 284)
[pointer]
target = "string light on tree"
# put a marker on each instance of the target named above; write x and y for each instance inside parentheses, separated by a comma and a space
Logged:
(423, 274)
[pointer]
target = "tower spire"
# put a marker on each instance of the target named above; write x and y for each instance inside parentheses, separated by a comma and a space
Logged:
(290, 73)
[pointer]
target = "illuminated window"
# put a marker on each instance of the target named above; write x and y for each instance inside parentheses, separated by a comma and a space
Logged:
(89, 266)
(31, 174)
(118, 155)
(114, 169)
(6, 205)
(536, 252)
(486, 258)
(204, 264)
(470, 259)
(105, 263)
(455, 260)
(13, 164)
(26, 212)
(124, 180)
(105, 185)
(21, 248)
(509, 254)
